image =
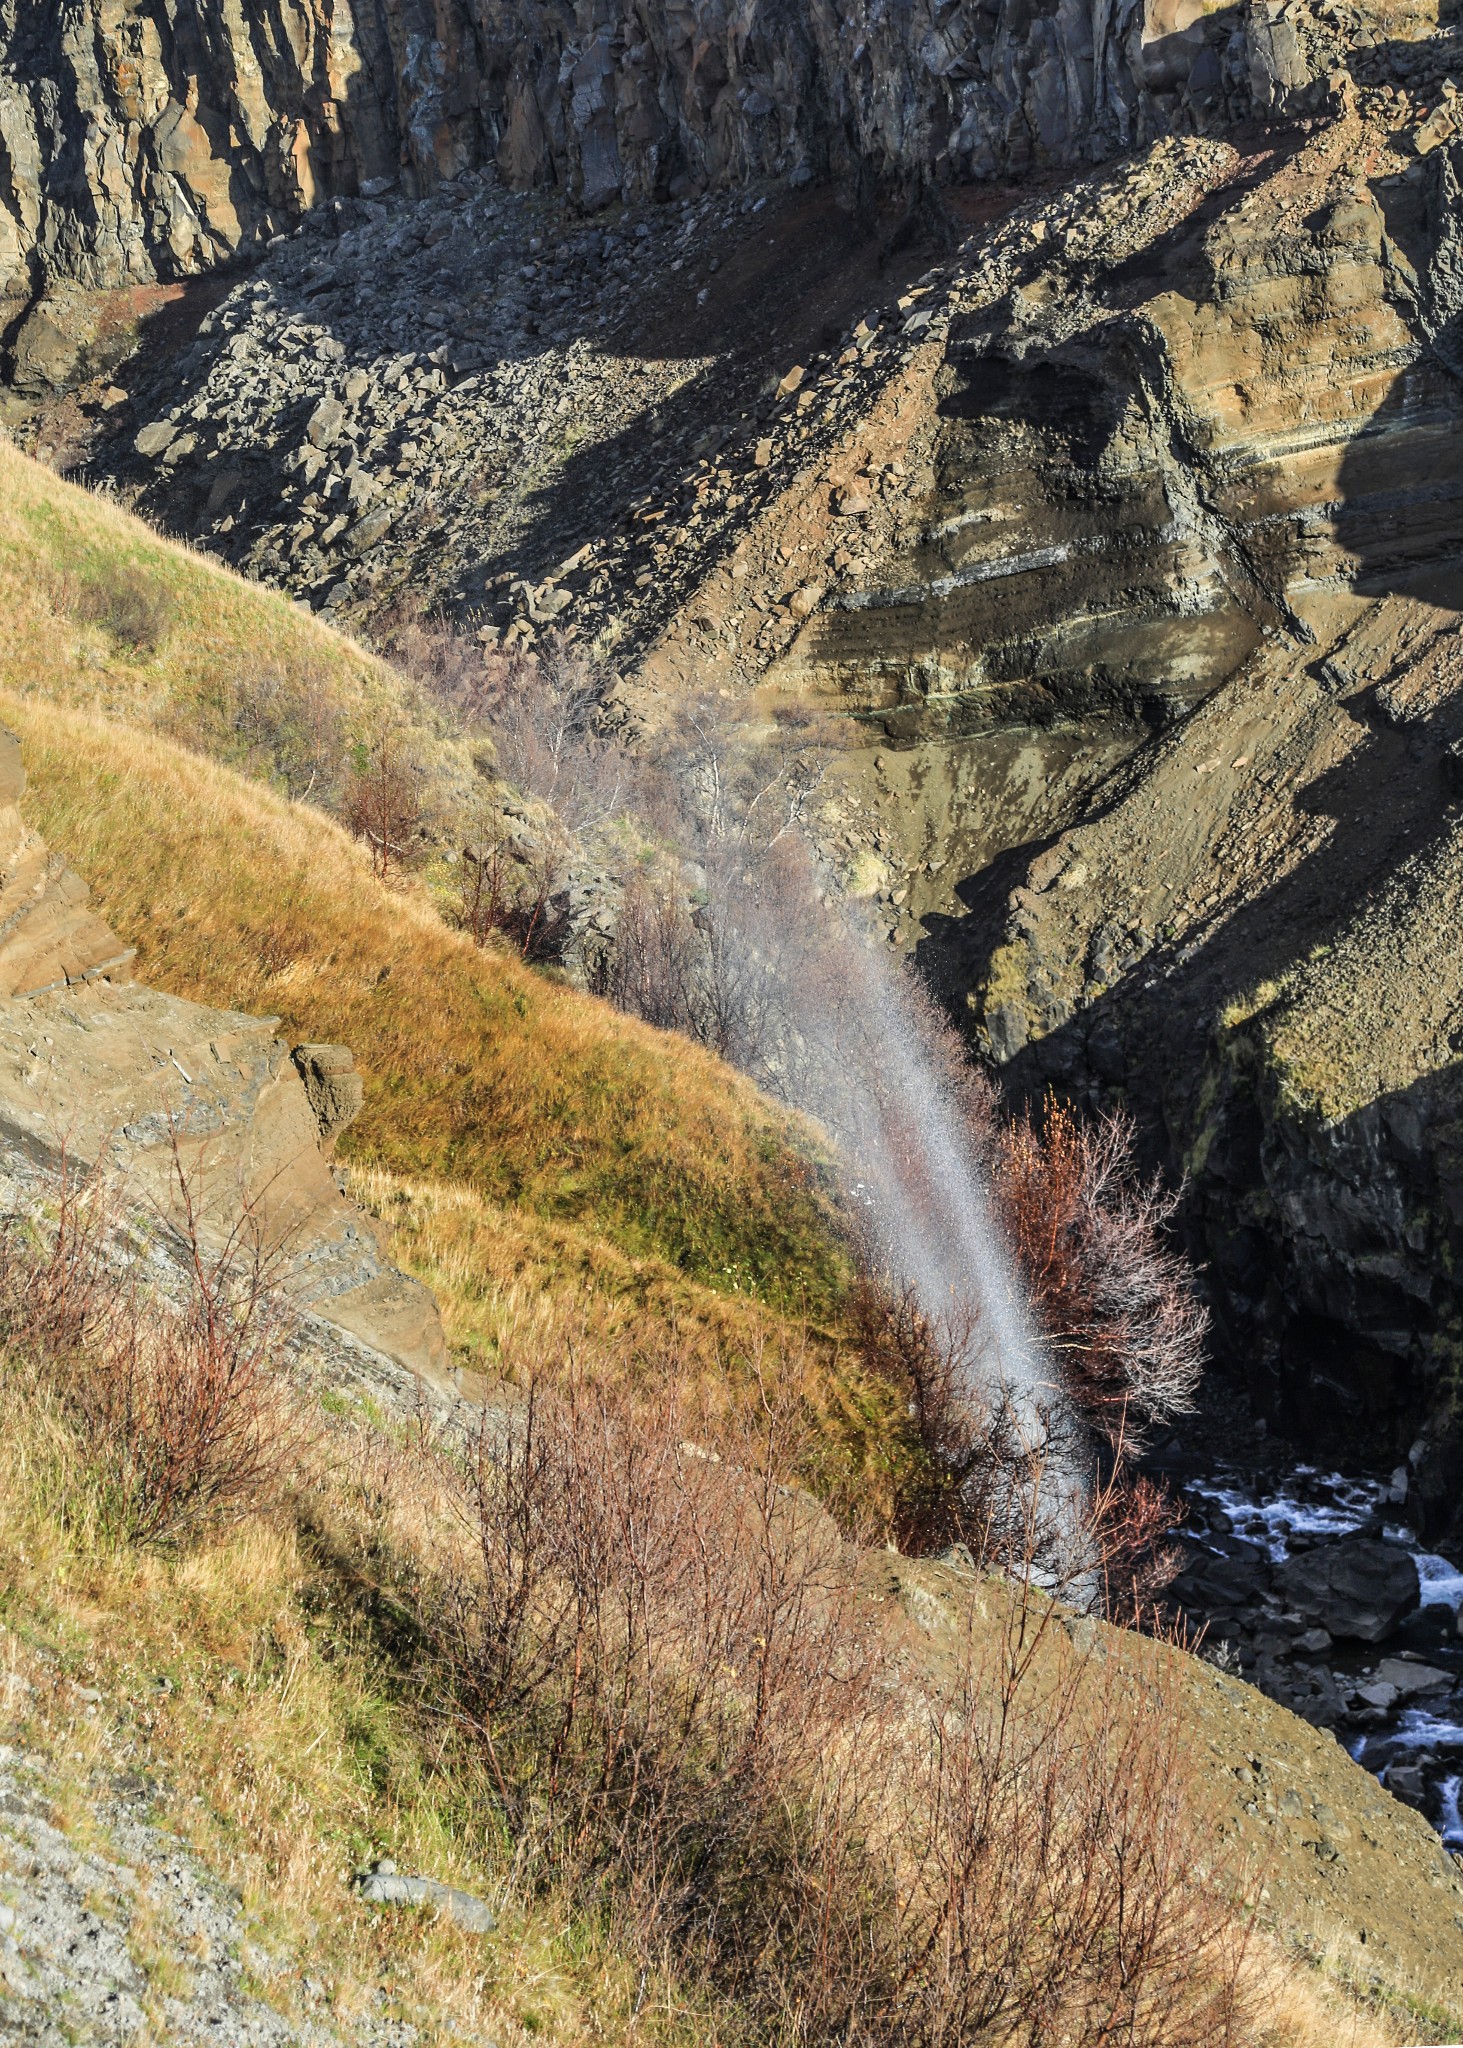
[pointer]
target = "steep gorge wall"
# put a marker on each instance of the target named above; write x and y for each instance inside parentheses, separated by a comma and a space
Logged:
(156, 138)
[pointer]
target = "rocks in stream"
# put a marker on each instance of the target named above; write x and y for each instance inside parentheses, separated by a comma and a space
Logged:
(1298, 1579)
(1357, 1588)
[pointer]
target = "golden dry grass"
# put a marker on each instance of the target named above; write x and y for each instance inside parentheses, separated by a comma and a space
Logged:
(276, 1701)
(524, 1298)
(69, 560)
(478, 1070)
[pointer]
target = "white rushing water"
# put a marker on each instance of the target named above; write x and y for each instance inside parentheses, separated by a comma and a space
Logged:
(1417, 1752)
(1270, 1523)
(875, 1084)
(1320, 1505)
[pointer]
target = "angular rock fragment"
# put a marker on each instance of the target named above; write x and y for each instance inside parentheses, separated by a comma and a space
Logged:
(98, 1072)
(1357, 1588)
(384, 1885)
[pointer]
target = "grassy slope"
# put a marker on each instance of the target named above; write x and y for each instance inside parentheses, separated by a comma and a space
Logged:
(558, 1172)
(102, 613)
(270, 1666)
(478, 1070)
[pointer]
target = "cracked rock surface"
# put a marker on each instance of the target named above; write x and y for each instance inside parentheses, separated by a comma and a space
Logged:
(161, 139)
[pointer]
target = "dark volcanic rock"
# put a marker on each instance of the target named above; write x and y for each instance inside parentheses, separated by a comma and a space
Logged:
(200, 129)
(1220, 1584)
(1359, 1588)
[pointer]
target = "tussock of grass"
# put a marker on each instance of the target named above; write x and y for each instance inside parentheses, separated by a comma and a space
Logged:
(478, 1070)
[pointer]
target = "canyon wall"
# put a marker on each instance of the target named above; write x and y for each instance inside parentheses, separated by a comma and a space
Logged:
(156, 138)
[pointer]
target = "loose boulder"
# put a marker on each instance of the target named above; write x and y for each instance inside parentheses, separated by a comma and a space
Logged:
(1357, 1588)
(384, 1885)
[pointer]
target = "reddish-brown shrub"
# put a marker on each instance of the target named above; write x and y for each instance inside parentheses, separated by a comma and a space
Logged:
(1117, 1310)
(176, 1395)
(520, 900)
(1116, 1301)
(694, 1724)
(382, 804)
(1056, 1892)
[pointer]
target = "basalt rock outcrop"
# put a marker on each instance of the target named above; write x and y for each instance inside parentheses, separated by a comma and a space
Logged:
(162, 138)
(188, 1109)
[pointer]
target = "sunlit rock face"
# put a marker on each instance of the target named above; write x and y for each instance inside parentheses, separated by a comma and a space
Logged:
(160, 138)
(1247, 937)
(1143, 464)
(215, 1138)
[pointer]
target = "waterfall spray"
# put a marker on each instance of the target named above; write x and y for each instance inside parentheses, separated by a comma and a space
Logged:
(870, 1070)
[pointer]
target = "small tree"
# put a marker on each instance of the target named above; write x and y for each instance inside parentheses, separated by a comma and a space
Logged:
(383, 803)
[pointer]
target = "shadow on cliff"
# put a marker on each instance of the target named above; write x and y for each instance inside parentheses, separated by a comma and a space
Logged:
(1319, 1291)
(778, 297)
(1338, 1318)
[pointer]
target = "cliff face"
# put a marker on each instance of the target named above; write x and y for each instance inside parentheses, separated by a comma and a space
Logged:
(1249, 937)
(156, 138)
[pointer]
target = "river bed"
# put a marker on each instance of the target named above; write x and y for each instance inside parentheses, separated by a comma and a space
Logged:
(1270, 1556)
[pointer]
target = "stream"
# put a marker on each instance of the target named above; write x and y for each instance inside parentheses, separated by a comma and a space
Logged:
(1303, 1581)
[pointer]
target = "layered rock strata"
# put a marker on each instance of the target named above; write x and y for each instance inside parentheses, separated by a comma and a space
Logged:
(191, 1112)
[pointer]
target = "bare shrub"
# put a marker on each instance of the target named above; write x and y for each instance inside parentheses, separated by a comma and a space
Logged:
(660, 1653)
(696, 1729)
(730, 961)
(288, 728)
(541, 707)
(1116, 1300)
(1055, 1889)
(723, 782)
(514, 894)
(177, 1402)
(977, 1481)
(1116, 1310)
(446, 661)
(383, 803)
(653, 968)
